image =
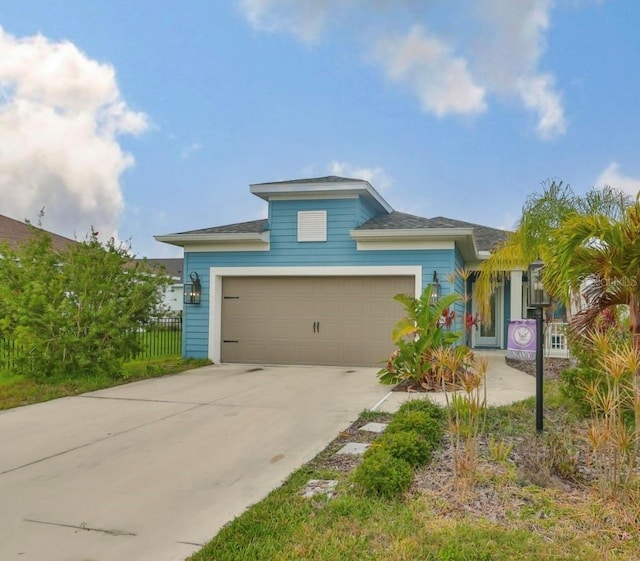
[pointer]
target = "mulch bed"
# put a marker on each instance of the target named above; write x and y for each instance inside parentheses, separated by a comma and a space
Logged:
(551, 366)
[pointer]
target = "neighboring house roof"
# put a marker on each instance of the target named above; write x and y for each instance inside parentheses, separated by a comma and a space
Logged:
(173, 266)
(16, 233)
(486, 237)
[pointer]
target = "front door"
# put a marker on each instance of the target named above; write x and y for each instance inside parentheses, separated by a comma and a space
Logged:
(487, 335)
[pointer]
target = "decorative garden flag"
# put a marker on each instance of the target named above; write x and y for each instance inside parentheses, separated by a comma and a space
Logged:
(521, 344)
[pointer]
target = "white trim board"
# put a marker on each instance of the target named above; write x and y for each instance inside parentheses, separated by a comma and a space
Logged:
(220, 246)
(379, 245)
(218, 273)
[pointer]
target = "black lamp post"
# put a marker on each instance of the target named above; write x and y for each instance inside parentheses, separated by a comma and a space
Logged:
(193, 289)
(435, 288)
(538, 299)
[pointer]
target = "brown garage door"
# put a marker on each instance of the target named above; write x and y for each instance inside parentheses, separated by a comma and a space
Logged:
(310, 320)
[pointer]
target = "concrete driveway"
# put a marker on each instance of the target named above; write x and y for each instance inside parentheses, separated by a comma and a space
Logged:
(151, 470)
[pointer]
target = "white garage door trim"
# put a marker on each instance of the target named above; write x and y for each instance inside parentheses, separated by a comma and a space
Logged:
(218, 273)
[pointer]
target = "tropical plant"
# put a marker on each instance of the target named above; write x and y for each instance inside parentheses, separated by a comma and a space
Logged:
(466, 407)
(534, 237)
(598, 256)
(614, 429)
(416, 336)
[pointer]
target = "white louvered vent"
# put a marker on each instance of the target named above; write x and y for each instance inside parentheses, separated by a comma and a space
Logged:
(312, 226)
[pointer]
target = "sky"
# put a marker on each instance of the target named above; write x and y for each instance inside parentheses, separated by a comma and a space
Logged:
(144, 118)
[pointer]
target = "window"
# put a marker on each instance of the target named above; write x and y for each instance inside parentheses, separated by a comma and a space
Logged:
(312, 226)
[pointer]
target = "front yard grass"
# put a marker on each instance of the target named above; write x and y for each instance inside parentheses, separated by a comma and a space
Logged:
(17, 390)
(537, 500)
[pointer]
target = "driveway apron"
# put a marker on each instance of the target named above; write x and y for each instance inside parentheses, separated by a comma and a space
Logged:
(152, 470)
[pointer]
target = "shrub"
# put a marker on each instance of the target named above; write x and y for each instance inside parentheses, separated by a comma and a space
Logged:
(408, 446)
(383, 475)
(573, 386)
(425, 405)
(417, 421)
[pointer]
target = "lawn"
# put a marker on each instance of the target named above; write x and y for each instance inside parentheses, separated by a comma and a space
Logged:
(17, 390)
(528, 497)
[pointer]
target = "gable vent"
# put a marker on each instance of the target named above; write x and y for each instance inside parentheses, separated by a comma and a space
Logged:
(312, 226)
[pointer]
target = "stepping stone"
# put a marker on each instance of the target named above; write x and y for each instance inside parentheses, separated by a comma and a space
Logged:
(353, 448)
(374, 427)
(320, 487)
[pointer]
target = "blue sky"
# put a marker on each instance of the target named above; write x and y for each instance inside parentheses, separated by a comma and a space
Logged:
(144, 118)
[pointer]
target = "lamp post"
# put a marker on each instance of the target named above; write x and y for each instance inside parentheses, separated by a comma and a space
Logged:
(538, 299)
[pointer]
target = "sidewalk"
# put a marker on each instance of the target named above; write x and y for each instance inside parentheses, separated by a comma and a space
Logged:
(505, 385)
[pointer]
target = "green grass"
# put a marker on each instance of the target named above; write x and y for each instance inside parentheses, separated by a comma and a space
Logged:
(538, 522)
(160, 342)
(17, 390)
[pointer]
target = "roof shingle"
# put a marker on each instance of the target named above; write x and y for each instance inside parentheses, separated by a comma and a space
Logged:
(486, 238)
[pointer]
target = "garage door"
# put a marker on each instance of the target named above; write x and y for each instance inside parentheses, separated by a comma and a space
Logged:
(310, 320)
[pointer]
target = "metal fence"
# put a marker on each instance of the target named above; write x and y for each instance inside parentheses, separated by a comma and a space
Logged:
(161, 337)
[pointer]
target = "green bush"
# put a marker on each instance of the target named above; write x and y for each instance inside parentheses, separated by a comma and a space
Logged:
(573, 382)
(425, 405)
(417, 421)
(383, 475)
(408, 446)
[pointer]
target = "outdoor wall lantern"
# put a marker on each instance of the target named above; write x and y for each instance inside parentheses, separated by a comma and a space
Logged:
(538, 299)
(435, 288)
(193, 289)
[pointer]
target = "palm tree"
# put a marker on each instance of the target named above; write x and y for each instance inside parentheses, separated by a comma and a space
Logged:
(542, 215)
(599, 256)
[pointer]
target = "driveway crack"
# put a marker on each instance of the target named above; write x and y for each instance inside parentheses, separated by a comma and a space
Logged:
(97, 440)
(82, 526)
(141, 399)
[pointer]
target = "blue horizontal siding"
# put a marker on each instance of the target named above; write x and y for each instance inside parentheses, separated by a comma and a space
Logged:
(285, 251)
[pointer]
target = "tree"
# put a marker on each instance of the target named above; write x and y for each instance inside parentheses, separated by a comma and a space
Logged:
(598, 256)
(542, 215)
(75, 311)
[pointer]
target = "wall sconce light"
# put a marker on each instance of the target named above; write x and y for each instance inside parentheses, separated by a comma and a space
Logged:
(193, 289)
(435, 288)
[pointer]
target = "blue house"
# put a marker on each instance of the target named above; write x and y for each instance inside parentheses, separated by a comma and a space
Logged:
(314, 282)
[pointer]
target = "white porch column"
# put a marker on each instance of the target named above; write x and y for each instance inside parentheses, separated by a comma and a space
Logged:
(516, 295)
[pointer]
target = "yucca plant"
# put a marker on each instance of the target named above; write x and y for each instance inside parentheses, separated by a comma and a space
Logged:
(466, 407)
(614, 428)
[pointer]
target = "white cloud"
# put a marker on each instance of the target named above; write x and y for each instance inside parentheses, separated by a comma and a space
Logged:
(439, 78)
(190, 150)
(60, 116)
(376, 176)
(495, 47)
(305, 19)
(612, 177)
(538, 94)
(508, 54)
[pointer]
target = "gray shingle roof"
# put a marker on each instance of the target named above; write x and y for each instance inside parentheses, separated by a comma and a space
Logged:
(171, 265)
(486, 237)
(327, 179)
(251, 227)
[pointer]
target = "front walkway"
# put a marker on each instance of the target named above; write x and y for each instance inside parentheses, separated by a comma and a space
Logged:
(505, 385)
